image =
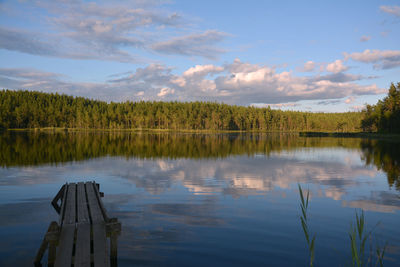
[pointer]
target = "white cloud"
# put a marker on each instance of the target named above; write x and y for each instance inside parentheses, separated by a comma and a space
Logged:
(336, 66)
(256, 84)
(179, 81)
(383, 59)
(309, 66)
(165, 91)
(202, 70)
(368, 56)
(235, 83)
(393, 10)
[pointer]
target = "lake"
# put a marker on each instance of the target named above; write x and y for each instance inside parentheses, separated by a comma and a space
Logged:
(189, 199)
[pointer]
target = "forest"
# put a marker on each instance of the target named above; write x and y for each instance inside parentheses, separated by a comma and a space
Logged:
(30, 109)
(385, 115)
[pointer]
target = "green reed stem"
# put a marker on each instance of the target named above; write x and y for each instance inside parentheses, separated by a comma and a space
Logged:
(357, 234)
(358, 238)
(304, 224)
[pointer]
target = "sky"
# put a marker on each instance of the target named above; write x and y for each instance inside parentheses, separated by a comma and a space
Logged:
(330, 56)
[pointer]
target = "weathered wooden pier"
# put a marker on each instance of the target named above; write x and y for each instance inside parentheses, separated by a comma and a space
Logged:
(80, 238)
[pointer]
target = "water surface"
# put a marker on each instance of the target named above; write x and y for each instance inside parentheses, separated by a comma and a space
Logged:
(205, 199)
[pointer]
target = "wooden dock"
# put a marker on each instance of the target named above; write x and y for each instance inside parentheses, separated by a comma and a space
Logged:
(80, 238)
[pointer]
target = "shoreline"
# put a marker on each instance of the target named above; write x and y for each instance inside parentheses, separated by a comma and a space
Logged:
(372, 135)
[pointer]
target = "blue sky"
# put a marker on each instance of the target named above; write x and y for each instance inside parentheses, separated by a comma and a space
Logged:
(311, 56)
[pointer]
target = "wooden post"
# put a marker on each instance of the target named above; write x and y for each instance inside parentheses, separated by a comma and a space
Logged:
(50, 239)
(113, 231)
(40, 253)
(114, 250)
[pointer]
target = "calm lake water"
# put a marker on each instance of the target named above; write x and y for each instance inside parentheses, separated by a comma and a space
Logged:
(205, 200)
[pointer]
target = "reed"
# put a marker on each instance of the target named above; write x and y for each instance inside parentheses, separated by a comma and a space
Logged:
(304, 224)
(358, 239)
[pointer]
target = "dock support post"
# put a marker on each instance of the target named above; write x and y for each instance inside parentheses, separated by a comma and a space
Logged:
(50, 240)
(114, 249)
(113, 230)
(52, 236)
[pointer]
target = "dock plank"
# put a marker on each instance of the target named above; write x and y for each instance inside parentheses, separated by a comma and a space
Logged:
(82, 246)
(100, 254)
(82, 212)
(94, 207)
(70, 212)
(64, 252)
(103, 210)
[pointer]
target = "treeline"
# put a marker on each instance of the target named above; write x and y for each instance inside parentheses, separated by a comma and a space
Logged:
(385, 115)
(29, 109)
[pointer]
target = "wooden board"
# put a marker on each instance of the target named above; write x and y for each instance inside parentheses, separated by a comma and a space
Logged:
(82, 212)
(103, 210)
(94, 207)
(66, 243)
(82, 246)
(100, 254)
(70, 212)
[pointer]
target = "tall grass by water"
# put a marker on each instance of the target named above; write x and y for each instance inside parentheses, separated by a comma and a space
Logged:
(304, 224)
(358, 236)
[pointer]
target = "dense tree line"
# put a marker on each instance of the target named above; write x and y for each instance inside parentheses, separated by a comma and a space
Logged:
(385, 115)
(29, 109)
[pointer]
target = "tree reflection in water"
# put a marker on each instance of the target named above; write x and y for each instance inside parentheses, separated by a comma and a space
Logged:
(37, 148)
(385, 156)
